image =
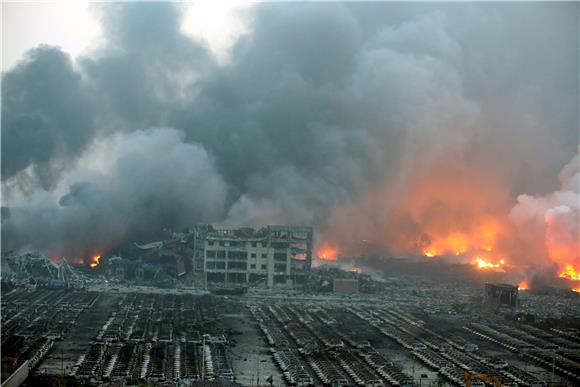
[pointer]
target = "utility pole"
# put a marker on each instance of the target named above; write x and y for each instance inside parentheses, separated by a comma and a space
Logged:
(258, 377)
(203, 359)
(553, 365)
(256, 370)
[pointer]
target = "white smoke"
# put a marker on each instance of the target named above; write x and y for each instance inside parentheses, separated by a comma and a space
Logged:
(551, 222)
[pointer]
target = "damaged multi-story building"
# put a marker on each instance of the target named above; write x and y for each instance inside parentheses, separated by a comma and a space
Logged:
(273, 256)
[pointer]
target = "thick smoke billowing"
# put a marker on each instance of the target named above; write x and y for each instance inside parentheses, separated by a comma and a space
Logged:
(550, 223)
(125, 187)
(47, 117)
(393, 123)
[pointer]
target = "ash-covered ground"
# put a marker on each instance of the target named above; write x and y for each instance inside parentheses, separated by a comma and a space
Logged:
(396, 330)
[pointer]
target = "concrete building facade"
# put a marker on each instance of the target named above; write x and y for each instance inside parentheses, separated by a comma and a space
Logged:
(273, 256)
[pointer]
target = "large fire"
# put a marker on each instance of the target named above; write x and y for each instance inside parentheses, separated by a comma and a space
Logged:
(478, 246)
(95, 261)
(523, 285)
(462, 208)
(479, 236)
(456, 244)
(570, 273)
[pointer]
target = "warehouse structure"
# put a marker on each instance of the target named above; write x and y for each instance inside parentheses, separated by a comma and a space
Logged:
(273, 256)
(501, 295)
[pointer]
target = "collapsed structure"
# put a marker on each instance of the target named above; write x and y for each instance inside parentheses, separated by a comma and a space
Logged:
(273, 256)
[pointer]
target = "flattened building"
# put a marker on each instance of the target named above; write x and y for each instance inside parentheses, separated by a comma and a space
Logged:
(273, 256)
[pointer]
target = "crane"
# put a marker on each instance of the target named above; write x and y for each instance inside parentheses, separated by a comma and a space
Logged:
(470, 376)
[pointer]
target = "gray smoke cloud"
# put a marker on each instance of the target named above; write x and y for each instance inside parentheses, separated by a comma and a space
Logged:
(47, 117)
(125, 187)
(325, 109)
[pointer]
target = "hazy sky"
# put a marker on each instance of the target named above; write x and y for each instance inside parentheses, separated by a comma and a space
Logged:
(74, 26)
(69, 25)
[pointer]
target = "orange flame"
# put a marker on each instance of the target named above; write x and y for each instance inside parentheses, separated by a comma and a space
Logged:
(480, 238)
(570, 273)
(477, 243)
(430, 253)
(327, 253)
(455, 243)
(523, 285)
(483, 264)
(95, 261)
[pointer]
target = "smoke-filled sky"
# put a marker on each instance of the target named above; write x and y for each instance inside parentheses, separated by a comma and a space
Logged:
(410, 125)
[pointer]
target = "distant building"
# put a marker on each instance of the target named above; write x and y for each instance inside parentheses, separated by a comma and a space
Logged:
(345, 285)
(274, 256)
(140, 274)
(501, 295)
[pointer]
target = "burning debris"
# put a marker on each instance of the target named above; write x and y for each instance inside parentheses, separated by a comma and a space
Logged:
(523, 285)
(95, 260)
(326, 252)
(570, 273)
(481, 263)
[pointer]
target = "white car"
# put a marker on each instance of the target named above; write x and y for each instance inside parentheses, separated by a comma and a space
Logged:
(500, 364)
